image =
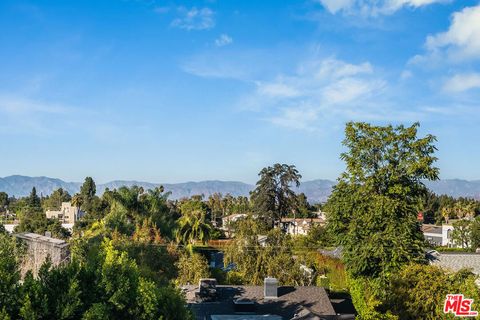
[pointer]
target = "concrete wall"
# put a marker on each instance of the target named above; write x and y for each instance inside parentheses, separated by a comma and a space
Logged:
(39, 248)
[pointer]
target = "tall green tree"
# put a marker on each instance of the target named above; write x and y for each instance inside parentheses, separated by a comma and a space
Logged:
(193, 224)
(475, 233)
(34, 201)
(87, 193)
(462, 233)
(3, 200)
(88, 189)
(373, 208)
(54, 201)
(273, 197)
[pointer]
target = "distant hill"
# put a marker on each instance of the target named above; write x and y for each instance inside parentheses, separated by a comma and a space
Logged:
(187, 189)
(456, 188)
(315, 190)
(20, 186)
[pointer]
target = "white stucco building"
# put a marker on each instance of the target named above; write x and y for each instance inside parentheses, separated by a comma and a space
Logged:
(67, 214)
(299, 225)
(438, 235)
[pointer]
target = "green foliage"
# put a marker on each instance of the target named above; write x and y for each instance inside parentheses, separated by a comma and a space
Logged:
(4, 201)
(475, 233)
(4, 314)
(302, 208)
(86, 199)
(88, 189)
(373, 209)
(154, 257)
(172, 305)
(254, 262)
(193, 225)
(98, 311)
(418, 291)
(117, 219)
(273, 197)
(191, 268)
(438, 209)
(54, 201)
(318, 237)
(37, 222)
(334, 271)
(119, 279)
(10, 255)
(462, 233)
(367, 297)
(221, 206)
(33, 201)
(110, 286)
(414, 292)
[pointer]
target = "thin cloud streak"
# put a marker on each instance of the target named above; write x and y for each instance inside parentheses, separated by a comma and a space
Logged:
(194, 19)
(373, 8)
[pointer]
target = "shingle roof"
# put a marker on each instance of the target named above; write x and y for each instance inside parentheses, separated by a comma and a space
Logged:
(305, 302)
(431, 228)
(457, 261)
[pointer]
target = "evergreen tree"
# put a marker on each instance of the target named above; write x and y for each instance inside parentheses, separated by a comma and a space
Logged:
(34, 201)
(88, 189)
(273, 197)
(87, 195)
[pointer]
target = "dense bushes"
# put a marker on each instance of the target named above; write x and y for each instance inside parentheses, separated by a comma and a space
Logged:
(415, 292)
(109, 287)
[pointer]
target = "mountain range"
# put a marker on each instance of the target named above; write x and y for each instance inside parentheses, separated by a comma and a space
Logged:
(315, 190)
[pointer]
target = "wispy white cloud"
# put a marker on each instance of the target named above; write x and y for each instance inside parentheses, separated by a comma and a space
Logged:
(327, 87)
(459, 43)
(373, 7)
(237, 65)
(462, 39)
(320, 91)
(329, 80)
(406, 74)
(462, 82)
(21, 106)
(18, 114)
(302, 118)
(277, 90)
(223, 40)
(194, 19)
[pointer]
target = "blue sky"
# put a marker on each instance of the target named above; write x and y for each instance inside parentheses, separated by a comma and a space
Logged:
(167, 91)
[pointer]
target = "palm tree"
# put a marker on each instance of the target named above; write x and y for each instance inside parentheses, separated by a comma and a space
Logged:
(77, 200)
(459, 209)
(446, 211)
(193, 227)
(469, 209)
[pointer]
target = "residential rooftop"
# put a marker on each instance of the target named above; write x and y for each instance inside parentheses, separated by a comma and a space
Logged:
(307, 302)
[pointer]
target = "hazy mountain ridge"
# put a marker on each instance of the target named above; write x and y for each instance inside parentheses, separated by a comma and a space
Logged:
(316, 190)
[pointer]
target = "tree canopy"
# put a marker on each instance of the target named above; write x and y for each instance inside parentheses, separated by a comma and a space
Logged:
(373, 208)
(273, 197)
